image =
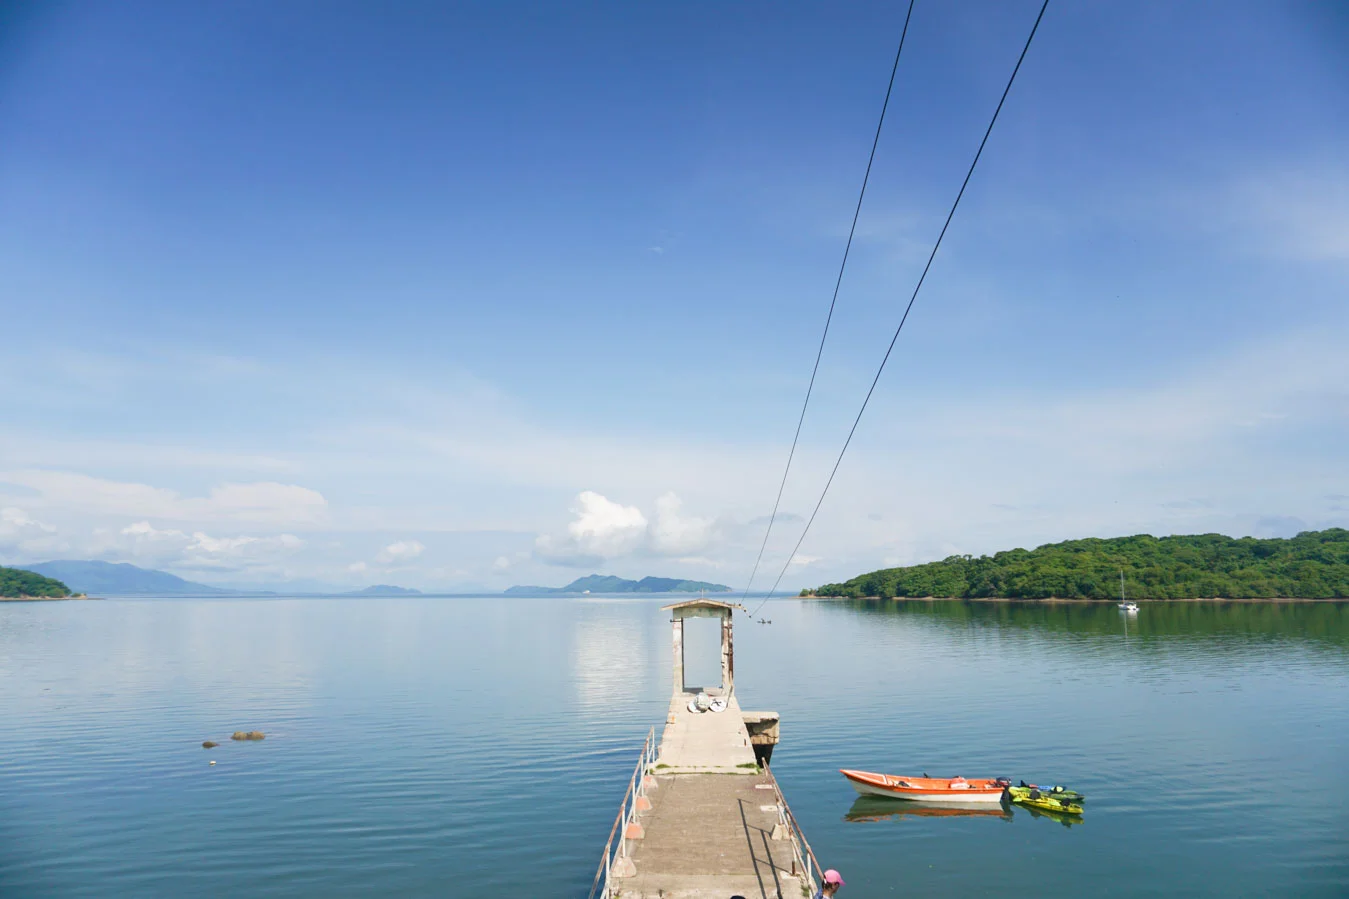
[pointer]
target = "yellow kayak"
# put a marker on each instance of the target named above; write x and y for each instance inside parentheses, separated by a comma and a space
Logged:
(1042, 800)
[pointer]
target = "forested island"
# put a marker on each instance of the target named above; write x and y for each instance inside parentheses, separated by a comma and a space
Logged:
(1312, 565)
(15, 583)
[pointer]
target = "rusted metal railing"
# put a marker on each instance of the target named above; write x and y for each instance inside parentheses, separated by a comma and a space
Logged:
(804, 863)
(613, 852)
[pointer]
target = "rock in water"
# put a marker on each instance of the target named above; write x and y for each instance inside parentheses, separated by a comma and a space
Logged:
(239, 735)
(248, 735)
(209, 744)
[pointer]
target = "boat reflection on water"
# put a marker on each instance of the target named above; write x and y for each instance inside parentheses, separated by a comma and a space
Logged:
(1062, 817)
(875, 808)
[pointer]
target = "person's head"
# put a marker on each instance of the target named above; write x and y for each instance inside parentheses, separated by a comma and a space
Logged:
(832, 882)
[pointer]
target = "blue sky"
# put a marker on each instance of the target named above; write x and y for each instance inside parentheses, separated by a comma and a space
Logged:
(465, 296)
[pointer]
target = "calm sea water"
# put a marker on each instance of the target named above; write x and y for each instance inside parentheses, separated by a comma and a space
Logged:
(480, 746)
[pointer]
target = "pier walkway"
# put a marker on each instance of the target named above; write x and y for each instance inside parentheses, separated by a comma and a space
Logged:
(705, 819)
(705, 742)
(712, 835)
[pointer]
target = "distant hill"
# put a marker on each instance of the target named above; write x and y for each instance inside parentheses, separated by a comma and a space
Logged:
(384, 590)
(113, 578)
(607, 583)
(1312, 565)
(16, 582)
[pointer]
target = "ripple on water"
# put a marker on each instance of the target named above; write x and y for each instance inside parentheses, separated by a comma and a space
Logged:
(412, 742)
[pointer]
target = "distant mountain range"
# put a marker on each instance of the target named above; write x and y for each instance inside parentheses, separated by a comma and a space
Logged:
(384, 590)
(104, 578)
(607, 583)
(125, 579)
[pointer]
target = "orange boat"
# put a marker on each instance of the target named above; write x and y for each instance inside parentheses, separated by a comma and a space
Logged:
(927, 789)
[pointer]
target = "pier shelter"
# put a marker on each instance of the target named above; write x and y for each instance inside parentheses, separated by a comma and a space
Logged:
(703, 608)
(704, 816)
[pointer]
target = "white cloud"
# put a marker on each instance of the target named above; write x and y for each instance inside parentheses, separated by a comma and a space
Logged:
(23, 535)
(263, 502)
(671, 533)
(603, 529)
(14, 521)
(396, 556)
(172, 548)
(501, 563)
(266, 501)
(800, 560)
(17, 490)
(1251, 427)
(402, 551)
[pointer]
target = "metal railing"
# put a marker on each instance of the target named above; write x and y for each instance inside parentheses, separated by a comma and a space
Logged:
(804, 863)
(626, 812)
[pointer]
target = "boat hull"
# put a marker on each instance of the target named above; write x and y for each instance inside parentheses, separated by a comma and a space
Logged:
(926, 789)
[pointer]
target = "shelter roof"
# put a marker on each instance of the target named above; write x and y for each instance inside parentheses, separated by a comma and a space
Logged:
(704, 603)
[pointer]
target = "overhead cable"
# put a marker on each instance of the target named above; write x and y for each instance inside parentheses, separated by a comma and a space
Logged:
(837, 284)
(917, 287)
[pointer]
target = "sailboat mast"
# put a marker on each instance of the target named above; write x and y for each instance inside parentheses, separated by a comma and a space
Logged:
(1121, 585)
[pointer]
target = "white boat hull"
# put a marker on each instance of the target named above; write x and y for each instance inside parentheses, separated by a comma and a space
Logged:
(946, 797)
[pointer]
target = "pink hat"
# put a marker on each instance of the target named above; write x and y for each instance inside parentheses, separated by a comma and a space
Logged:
(832, 876)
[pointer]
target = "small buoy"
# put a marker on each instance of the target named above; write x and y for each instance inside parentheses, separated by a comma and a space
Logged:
(212, 761)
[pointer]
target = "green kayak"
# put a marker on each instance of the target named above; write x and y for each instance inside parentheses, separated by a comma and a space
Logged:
(1049, 802)
(1056, 792)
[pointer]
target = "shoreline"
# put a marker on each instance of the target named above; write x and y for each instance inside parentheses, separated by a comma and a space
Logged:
(80, 596)
(1058, 600)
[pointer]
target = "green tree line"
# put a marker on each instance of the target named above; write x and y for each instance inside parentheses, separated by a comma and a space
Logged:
(1312, 565)
(17, 582)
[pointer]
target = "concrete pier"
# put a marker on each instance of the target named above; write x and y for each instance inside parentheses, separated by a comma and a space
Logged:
(705, 742)
(705, 818)
(711, 835)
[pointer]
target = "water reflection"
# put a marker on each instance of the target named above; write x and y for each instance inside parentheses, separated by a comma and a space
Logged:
(406, 729)
(608, 654)
(1326, 623)
(875, 808)
(1059, 817)
(870, 809)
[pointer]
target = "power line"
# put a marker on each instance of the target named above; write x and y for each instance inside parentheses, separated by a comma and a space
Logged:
(919, 286)
(828, 318)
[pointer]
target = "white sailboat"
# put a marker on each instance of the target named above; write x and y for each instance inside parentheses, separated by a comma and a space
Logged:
(1125, 605)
